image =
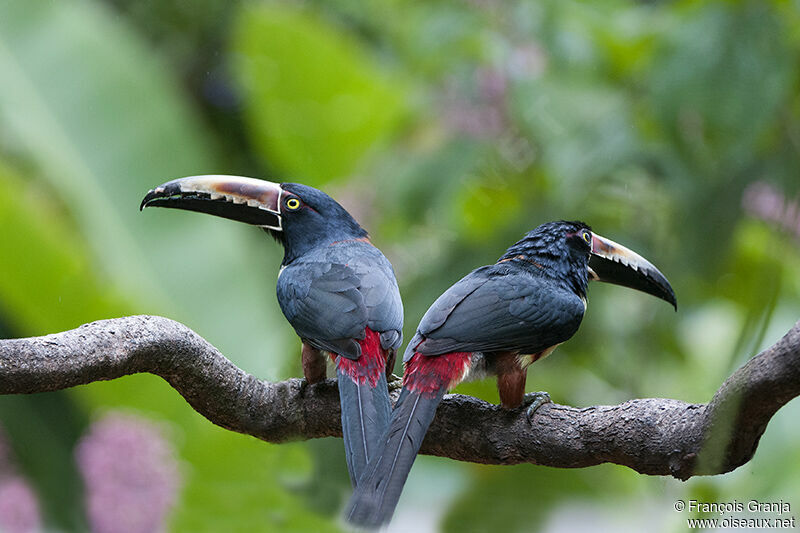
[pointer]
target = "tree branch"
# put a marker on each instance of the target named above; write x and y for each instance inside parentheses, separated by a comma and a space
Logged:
(651, 436)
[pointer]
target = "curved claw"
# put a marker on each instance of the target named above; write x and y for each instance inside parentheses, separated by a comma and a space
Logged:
(534, 400)
(395, 382)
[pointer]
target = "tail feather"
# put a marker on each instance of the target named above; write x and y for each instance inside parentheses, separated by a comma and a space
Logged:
(365, 417)
(378, 491)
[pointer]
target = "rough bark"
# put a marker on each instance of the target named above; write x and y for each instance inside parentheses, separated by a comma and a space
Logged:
(651, 436)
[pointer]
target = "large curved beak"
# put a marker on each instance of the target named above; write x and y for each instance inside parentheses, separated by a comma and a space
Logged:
(248, 200)
(613, 263)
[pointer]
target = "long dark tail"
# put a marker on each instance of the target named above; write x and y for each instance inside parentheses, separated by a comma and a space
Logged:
(364, 397)
(365, 417)
(377, 493)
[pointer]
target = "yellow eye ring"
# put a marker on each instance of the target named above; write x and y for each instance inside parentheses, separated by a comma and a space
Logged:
(587, 237)
(293, 203)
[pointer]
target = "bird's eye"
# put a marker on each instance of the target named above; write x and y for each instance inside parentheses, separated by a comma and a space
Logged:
(587, 237)
(293, 203)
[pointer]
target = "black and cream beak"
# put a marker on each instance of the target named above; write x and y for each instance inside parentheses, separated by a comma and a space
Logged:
(613, 263)
(247, 200)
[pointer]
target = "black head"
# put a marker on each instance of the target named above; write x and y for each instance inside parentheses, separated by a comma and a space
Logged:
(572, 254)
(312, 218)
(559, 250)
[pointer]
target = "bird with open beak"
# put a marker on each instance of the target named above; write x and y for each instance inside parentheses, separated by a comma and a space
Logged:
(335, 288)
(496, 320)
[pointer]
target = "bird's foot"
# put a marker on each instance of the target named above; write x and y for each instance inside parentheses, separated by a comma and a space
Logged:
(395, 382)
(534, 400)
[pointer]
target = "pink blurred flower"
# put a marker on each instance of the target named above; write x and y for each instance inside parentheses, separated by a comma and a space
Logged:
(476, 105)
(19, 506)
(764, 201)
(482, 113)
(130, 473)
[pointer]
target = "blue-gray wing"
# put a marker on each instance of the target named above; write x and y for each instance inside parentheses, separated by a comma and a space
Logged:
(437, 314)
(497, 309)
(382, 301)
(331, 298)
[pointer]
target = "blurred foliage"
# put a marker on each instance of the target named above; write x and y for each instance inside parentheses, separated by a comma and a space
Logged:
(448, 129)
(304, 85)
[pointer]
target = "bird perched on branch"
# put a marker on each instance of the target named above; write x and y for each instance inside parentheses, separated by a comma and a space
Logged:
(496, 320)
(335, 288)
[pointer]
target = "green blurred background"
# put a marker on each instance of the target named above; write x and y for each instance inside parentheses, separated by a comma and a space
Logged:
(448, 129)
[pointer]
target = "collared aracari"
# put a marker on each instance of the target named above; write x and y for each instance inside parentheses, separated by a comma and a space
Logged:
(335, 288)
(496, 320)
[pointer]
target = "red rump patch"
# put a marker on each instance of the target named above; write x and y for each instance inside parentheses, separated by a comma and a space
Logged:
(428, 374)
(372, 363)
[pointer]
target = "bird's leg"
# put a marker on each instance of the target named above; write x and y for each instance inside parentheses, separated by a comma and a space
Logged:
(391, 355)
(392, 380)
(511, 384)
(313, 364)
(510, 379)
